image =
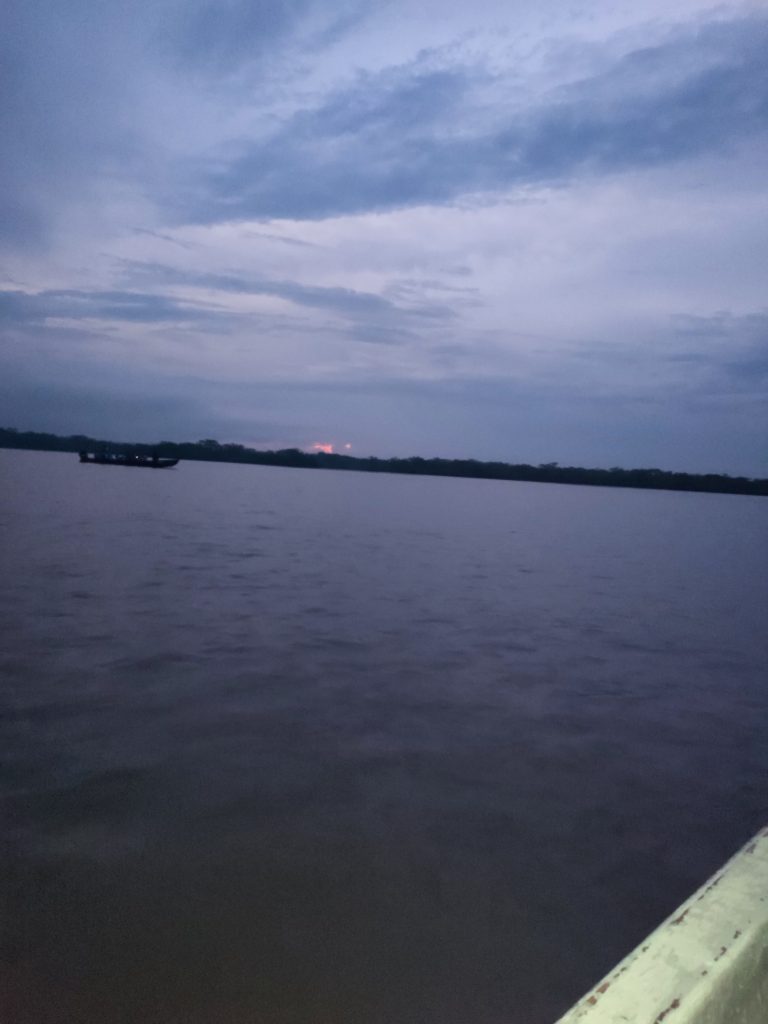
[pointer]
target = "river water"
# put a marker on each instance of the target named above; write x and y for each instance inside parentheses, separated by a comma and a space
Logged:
(309, 747)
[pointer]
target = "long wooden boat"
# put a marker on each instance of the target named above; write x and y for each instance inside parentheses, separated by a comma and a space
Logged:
(147, 462)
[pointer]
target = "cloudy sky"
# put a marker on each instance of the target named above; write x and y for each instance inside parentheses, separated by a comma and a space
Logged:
(507, 230)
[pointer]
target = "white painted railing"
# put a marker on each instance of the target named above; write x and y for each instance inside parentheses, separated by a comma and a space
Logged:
(706, 964)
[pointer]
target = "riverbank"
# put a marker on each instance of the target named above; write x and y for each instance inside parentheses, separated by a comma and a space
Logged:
(551, 472)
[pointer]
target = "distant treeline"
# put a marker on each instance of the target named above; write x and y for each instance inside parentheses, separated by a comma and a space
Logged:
(211, 451)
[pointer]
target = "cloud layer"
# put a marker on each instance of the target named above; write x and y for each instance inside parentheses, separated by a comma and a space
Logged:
(489, 232)
(415, 135)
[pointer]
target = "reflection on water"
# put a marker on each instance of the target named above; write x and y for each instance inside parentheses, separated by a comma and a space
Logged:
(297, 747)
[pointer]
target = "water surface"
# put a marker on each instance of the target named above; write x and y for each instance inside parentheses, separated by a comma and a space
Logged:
(304, 747)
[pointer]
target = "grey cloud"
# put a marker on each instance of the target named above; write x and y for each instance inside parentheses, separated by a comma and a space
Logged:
(226, 34)
(18, 307)
(734, 353)
(723, 324)
(163, 237)
(218, 33)
(69, 105)
(408, 137)
(299, 243)
(343, 300)
(513, 420)
(376, 320)
(403, 102)
(722, 354)
(87, 86)
(408, 286)
(378, 334)
(110, 410)
(347, 302)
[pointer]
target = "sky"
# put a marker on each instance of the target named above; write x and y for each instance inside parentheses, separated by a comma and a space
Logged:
(498, 230)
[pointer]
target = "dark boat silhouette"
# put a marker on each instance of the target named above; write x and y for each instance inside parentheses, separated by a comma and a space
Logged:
(145, 461)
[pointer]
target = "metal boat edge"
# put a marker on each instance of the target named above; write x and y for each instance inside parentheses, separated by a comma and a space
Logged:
(706, 964)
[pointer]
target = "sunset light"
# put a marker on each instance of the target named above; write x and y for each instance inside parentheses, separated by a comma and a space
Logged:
(320, 447)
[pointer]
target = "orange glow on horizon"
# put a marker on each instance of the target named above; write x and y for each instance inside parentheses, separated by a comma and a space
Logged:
(327, 448)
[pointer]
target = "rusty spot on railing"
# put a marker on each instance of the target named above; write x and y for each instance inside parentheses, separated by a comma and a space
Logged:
(711, 886)
(598, 992)
(672, 1006)
(682, 917)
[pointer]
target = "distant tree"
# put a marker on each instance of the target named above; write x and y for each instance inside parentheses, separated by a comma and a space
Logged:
(551, 472)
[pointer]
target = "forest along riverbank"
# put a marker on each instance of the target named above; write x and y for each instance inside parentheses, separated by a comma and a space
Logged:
(551, 472)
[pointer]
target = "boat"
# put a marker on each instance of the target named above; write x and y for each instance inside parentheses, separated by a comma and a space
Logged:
(110, 459)
(706, 964)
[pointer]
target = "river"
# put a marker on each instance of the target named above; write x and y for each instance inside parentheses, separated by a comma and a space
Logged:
(288, 746)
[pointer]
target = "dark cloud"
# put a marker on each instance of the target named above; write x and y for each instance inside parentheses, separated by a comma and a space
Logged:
(92, 90)
(523, 420)
(732, 355)
(114, 411)
(163, 237)
(347, 302)
(749, 327)
(18, 308)
(88, 86)
(71, 86)
(408, 137)
(380, 334)
(378, 145)
(271, 237)
(223, 35)
(231, 30)
(373, 318)
(338, 300)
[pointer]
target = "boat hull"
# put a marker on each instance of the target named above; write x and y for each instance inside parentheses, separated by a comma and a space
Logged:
(139, 461)
(706, 964)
